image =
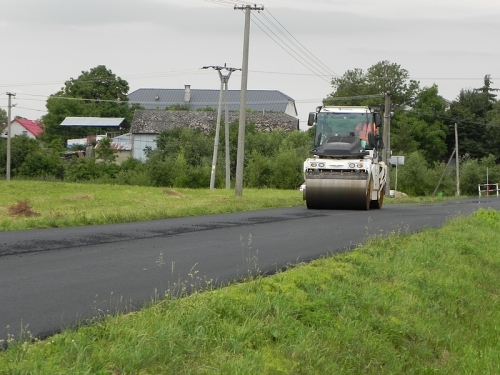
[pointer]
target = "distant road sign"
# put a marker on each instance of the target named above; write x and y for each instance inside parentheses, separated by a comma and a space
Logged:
(397, 160)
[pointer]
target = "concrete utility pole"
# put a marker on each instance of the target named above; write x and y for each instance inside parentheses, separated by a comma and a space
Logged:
(10, 95)
(224, 79)
(226, 133)
(387, 141)
(457, 166)
(243, 99)
(442, 174)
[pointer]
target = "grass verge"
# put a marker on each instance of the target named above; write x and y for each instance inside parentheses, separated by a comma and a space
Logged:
(59, 204)
(426, 303)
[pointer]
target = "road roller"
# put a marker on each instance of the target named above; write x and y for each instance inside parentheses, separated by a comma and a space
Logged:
(345, 170)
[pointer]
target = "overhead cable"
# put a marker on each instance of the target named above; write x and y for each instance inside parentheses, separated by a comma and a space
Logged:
(302, 47)
(298, 58)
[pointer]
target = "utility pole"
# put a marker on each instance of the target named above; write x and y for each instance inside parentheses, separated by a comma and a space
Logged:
(224, 79)
(457, 166)
(10, 95)
(442, 174)
(226, 133)
(387, 141)
(243, 99)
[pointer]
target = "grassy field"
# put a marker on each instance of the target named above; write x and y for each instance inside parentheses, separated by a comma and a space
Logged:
(426, 303)
(57, 204)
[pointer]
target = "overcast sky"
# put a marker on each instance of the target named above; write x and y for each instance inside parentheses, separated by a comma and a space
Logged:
(296, 46)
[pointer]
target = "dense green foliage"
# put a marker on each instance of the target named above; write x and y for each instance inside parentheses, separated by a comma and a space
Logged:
(423, 128)
(105, 152)
(378, 79)
(3, 118)
(425, 303)
(476, 113)
(181, 159)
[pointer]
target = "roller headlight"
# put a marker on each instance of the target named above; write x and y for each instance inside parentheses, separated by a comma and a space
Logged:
(321, 165)
(352, 165)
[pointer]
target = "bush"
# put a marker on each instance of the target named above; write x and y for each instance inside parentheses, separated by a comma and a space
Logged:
(287, 170)
(258, 172)
(21, 148)
(474, 172)
(82, 169)
(42, 164)
(414, 176)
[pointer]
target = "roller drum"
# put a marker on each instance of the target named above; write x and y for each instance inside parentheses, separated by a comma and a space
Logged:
(342, 192)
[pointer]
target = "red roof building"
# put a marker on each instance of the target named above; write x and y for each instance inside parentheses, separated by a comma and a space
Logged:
(20, 126)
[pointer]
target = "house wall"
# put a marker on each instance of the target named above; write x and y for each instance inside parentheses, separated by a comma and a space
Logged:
(291, 109)
(140, 142)
(17, 129)
(121, 156)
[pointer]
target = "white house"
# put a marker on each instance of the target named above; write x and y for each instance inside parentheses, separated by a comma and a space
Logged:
(27, 128)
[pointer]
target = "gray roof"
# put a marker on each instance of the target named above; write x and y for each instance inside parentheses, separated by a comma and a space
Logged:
(104, 122)
(257, 100)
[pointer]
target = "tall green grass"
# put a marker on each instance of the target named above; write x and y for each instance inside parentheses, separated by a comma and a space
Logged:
(425, 303)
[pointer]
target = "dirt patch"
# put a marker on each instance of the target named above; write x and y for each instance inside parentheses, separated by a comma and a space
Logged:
(22, 208)
(78, 197)
(171, 192)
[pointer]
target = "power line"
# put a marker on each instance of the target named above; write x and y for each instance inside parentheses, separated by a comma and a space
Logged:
(197, 72)
(221, 2)
(98, 79)
(451, 119)
(309, 53)
(298, 58)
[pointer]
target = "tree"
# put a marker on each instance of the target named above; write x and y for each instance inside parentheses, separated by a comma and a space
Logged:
(105, 151)
(421, 128)
(378, 79)
(96, 93)
(493, 130)
(470, 111)
(3, 118)
(21, 148)
(487, 89)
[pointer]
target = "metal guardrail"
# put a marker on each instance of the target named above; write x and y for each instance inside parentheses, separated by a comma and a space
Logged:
(489, 188)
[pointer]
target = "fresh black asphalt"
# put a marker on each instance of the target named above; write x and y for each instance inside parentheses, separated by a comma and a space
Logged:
(55, 278)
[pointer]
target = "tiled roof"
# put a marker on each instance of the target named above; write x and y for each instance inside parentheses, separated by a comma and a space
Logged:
(154, 122)
(34, 127)
(257, 100)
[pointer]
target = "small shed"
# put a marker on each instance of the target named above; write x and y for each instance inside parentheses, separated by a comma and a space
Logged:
(95, 122)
